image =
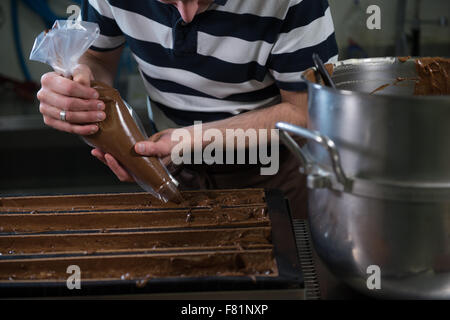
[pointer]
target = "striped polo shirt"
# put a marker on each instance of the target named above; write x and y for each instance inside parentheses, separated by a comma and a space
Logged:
(234, 57)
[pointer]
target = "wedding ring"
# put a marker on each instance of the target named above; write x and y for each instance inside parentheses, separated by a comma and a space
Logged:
(62, 115)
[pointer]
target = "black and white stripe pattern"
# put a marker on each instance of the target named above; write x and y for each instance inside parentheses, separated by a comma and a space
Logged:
(234, 57)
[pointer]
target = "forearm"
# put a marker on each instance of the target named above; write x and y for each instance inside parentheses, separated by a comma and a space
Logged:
(261, 119)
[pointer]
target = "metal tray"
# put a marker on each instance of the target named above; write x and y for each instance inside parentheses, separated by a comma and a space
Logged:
(284, 247)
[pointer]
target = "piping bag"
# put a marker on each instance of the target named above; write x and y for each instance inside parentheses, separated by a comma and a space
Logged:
(61, 47)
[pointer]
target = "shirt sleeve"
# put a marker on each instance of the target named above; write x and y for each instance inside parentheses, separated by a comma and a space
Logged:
(99, 11)
(307, 28)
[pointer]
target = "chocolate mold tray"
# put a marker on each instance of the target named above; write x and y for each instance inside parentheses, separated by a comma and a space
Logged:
(133, 243)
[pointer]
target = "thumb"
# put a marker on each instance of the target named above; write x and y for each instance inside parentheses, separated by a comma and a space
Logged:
(155, 137)
(83, 75)
(152, 149)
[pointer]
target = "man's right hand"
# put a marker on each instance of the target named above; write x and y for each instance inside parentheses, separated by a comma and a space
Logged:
(75, 97)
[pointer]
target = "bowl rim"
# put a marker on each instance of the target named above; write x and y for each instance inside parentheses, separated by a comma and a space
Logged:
(374, 61)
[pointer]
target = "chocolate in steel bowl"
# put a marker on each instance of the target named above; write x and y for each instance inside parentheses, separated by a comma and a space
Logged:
(433, 76)
(118, 134)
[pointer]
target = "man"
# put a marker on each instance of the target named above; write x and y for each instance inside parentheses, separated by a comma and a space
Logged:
(233, 64)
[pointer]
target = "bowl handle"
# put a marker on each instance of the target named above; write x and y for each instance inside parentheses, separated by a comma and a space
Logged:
(317, 176)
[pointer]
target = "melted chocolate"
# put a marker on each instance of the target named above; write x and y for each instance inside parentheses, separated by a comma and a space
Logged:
(107, 219)
(239, 238)
(91, 202)
(433, 76)
(134, 237)
(118, 134)
(312, 76)
(204, 264)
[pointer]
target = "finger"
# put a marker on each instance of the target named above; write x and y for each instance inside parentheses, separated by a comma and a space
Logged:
(68, 103)
(118, 170)
(70, 88)
(153, 149)
(99, 155)
(71, 128)
(148, 148)
(143, 148)
(156, 136)
(71, 116)
(82, 74)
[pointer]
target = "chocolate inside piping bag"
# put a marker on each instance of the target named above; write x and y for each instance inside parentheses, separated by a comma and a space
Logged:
(118, 134)
(61, 48)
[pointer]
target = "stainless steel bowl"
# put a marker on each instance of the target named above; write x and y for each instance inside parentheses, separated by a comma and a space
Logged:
(378, 170)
